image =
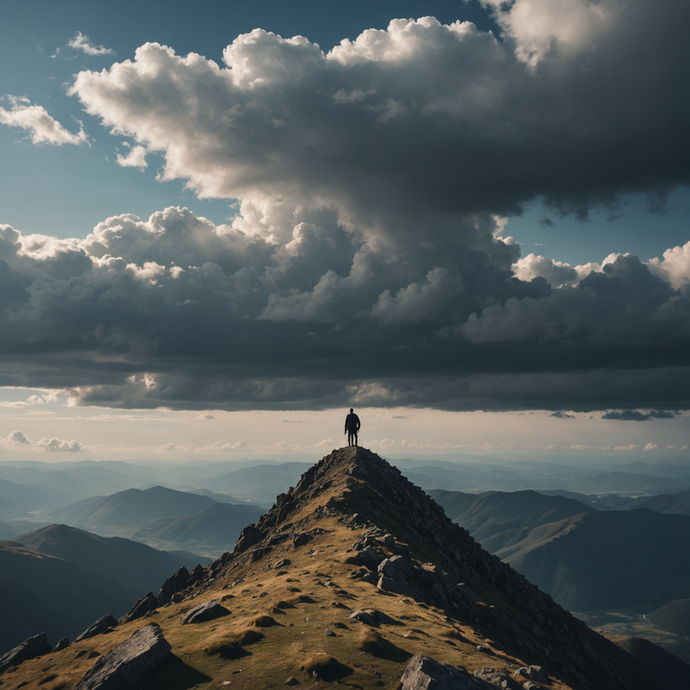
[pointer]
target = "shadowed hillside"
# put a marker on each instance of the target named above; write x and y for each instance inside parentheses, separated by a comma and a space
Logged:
(40, 593)
(585, 559)
(666, 503)
(609, 560)
(133, 564)
(674, 617)
(497, 519)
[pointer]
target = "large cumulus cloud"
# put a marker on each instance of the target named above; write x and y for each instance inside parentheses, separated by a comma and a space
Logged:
(367, 261)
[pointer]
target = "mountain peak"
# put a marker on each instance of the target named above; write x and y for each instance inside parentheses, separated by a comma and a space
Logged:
(350, 574)
(404, 544)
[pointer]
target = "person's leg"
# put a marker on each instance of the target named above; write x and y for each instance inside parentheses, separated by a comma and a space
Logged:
(355, 435)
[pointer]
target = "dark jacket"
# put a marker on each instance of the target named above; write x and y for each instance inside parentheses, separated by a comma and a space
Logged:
(352, 423)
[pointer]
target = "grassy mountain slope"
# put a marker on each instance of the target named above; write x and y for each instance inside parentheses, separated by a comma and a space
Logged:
(651, 655)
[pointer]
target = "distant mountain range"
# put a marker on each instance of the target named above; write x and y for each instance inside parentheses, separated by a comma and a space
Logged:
(666, 503)
(213, 530)
(163, 518)
(498, 519)
(130, 507)
(586, 559)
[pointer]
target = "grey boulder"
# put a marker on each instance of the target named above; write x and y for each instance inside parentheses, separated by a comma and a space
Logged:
(145, 605)
(424, 673)
(100, 626)
(125, 665)
(205, 612)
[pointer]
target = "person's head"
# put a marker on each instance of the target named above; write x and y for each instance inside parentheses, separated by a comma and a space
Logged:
(351, 410)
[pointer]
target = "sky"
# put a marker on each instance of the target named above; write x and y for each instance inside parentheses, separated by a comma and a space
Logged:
(222, 225)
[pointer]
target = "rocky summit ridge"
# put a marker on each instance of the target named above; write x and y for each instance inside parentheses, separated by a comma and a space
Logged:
(354, 576)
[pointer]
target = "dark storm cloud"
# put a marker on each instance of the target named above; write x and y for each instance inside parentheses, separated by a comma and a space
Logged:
(637, 416)
(366, 263)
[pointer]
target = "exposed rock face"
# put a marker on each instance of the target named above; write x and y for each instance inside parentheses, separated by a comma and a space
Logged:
(29, 649)
(423, 673)
(206, 612)
(62, 644)
(145, 605)
(128, 662)
(97, 628)
(535, 673)
(248, 537)
(494, 679)
(174, 584)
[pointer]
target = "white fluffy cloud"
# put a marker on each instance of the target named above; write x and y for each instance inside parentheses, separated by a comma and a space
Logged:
(134, 158)
(18, 437)
(55, 445)
(45, 444)
(556, 273)
(86, 45)
(396, 123)
(537, 26)
(674, 266)
(41, 126)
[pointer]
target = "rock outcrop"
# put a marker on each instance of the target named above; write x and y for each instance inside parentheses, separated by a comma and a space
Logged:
(98, 628)
(177, 582)
(127, 663)
(423, 673)
(205, 612)
(29, 649)
(145, 605)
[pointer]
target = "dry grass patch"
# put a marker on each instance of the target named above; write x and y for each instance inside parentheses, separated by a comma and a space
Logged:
(368, 641)
(231, 645)
(263, 622)
(326, 667)
(453, 634)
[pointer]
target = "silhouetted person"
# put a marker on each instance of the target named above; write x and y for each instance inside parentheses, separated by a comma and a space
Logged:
(352, 425)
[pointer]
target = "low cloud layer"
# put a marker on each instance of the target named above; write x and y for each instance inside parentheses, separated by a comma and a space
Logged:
(49, 445)
(367, 263)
